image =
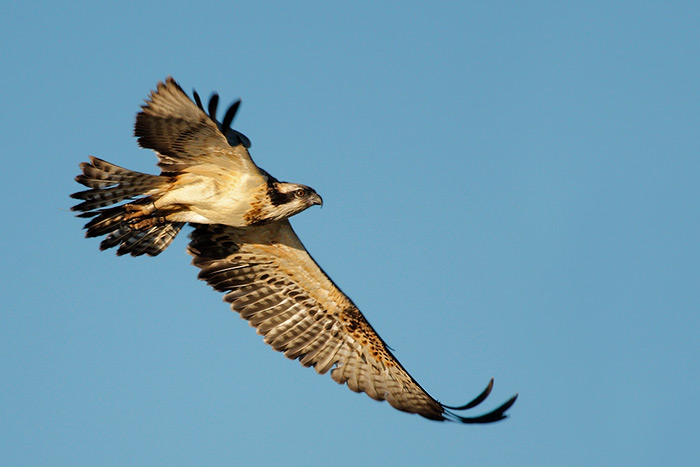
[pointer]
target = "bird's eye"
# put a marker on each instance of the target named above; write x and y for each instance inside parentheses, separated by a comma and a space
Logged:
(300, 193)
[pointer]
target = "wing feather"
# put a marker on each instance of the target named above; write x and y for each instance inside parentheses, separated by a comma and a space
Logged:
(300, 345)
(272, 281)
(184, 136)
(327, 358)
(318, 348)
(265, 323)
(262, 316)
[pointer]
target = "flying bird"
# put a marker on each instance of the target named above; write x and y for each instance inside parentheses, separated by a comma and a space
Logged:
(207, 177)
(244, 246)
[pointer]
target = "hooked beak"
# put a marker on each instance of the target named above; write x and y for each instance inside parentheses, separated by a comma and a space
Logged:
(316, 199)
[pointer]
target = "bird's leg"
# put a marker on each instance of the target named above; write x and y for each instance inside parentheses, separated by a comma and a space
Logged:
(134, 211)
(140, 216)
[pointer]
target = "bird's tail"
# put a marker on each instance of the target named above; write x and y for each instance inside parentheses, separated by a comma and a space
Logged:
(135, 227)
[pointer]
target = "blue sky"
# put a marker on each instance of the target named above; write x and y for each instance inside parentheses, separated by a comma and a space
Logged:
(510, 190)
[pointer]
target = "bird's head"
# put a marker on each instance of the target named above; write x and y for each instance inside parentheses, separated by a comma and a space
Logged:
(288, 199)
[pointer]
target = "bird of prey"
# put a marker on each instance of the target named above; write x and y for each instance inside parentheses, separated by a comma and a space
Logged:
(244, 246)
(207, 177)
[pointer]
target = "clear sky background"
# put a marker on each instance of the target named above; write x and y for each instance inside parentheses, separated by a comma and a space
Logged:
(511, 190)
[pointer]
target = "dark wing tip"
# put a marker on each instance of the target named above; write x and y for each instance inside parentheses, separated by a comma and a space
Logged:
(477, 400)
(228, 118)
(234, 137)
(197, 100)
(213, 105)
(499, 413)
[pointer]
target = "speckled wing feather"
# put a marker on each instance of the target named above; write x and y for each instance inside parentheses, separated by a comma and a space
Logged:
(183, 135)
(272, 281)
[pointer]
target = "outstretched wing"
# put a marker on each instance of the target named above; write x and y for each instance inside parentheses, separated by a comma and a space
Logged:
(183, 135)
(272, 281)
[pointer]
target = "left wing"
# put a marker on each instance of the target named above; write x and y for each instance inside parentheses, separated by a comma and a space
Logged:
(272, 281)
(183, 135)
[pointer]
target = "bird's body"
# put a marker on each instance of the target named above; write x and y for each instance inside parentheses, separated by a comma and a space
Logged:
(245, 246)
(207, 177)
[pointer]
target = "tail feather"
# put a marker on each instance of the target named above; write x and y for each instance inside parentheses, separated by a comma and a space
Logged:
(105, 221)
(110, 222)
(150, 241)
(110, 184)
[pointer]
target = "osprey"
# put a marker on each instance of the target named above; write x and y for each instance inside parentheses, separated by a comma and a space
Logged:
(207, 177)
(245, 246)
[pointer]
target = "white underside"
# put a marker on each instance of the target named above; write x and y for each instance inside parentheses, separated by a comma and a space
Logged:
(206, 200)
